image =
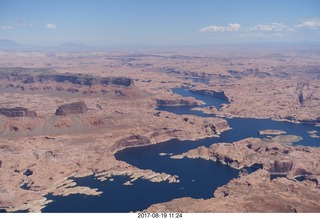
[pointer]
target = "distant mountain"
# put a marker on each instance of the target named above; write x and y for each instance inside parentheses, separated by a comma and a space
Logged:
(9, 45)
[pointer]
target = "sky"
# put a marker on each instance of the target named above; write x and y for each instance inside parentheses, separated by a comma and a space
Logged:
(159, 22)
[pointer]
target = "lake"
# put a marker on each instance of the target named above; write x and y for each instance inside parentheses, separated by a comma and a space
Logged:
(198, 178)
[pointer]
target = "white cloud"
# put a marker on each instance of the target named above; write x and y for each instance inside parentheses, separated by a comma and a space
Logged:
(6, 27)
(51, 26)
(313, 24)
(212, 29)
(270, 27)
(229, 28)
(233, 27)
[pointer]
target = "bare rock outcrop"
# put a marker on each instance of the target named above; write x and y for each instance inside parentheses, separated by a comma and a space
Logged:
(219, 94)
(257, 193)
(281, 166)
(17, 112)
(271, 132)
(199, 152)
(72, 108)
(251, 193)
(296, 191)
(184, 101)
(274, 156)
(218, 126)
(38, 75)
(132, 140)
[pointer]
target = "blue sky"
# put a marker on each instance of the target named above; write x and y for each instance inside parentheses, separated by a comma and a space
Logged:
(159, 22)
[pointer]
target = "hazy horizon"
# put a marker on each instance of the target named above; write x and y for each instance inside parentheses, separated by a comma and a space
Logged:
(159, 23)
(9, 45)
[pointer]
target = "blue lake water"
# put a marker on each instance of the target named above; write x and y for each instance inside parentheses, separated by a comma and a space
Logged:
(119, 198)
(201, 80)
(244, 127)
(198, 178)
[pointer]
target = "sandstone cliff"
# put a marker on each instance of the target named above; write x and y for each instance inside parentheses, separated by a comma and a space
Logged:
(184, 101)
(132, 140)
(30, 75)
(17, 112)
(72, 108)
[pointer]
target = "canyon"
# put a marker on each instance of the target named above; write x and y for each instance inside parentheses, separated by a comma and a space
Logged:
(66, 115)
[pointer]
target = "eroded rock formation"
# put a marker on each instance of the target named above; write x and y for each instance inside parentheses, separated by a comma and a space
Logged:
(258, 191)
(219, 94)
(132, 140)
(30, 75)
(275, 156)
(17, 112)
(72, 108)
(280, 166)
(178, 102)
